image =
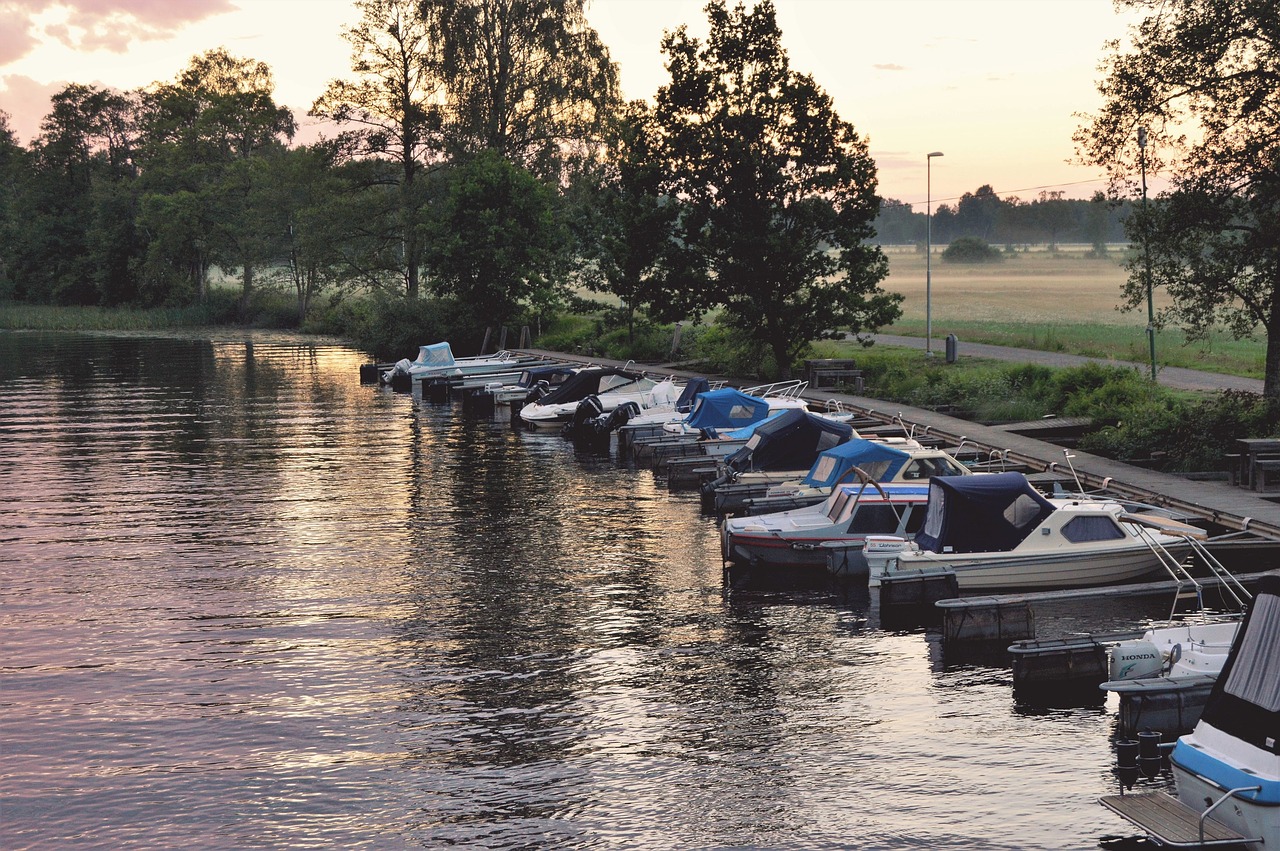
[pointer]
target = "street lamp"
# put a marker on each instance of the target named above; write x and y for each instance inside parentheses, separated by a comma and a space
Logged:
(928, 253)
(1146, 251)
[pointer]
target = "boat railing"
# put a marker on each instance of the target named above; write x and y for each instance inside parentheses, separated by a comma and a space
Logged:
(1147, 525)
(1228, 796)
(792, 388)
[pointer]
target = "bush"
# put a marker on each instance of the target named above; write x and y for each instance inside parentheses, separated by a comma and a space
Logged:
(971, 249)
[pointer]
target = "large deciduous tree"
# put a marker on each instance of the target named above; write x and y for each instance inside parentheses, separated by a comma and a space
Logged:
(780, 193)
(395, 103)
(526, 78)
(206, 139)
(1201, 78)
(496, 238)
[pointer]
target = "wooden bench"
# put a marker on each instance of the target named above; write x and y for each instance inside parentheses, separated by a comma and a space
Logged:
(1170, 821)
(831, 372)
(1263, 469)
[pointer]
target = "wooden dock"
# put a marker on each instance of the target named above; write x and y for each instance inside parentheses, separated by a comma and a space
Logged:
(1217, 502)
(1170, 821)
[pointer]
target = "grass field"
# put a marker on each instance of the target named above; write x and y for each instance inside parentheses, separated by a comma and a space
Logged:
(1060, 301)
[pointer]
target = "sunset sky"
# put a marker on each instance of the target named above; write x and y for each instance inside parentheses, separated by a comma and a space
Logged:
(996, 85)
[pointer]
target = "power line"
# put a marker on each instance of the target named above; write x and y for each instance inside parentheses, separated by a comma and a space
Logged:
(1003, 194)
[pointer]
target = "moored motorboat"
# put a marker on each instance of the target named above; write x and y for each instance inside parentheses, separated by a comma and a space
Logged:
(1164, 677)
(995, 530)
(795, 539)
(1227, 770)
(610, 386)
(892, 459)
(437, 360)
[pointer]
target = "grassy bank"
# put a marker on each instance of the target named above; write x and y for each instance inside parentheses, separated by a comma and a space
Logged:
(28, 317)
(1063, 302)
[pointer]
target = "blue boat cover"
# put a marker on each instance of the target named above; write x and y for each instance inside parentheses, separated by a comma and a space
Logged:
(1245, 700)
(689, 395)
(878, 460)
(979, 514)
(792, 440)
(435, 355)
(727, 408)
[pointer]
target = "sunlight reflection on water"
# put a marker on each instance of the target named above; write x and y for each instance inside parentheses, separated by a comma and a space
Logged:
(248, 602)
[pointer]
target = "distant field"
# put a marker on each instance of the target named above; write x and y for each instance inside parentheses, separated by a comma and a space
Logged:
(1063, 301)
(1037, 286)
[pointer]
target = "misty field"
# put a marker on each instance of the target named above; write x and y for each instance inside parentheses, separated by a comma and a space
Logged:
(1061, 301)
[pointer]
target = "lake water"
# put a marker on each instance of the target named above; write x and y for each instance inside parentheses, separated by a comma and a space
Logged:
(248, 602)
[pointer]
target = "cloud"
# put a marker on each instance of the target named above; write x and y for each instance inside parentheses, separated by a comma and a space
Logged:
(90, 25)
(27, 102)
(889, 66)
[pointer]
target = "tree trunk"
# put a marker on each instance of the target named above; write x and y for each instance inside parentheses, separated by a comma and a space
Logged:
(1271, 376)
(247, 289)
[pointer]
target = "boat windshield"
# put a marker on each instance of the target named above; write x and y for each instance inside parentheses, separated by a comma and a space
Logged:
(924, 468)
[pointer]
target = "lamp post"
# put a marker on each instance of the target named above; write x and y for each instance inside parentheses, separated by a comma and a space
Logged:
(1146, 251)
(928, 253)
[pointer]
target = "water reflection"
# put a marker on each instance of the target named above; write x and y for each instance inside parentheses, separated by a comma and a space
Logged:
(248, 600)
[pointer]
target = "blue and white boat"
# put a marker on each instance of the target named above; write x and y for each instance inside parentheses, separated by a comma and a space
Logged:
(437, 360)
(1227, 770)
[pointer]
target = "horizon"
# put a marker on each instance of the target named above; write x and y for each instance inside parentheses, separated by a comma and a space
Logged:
(979, 70)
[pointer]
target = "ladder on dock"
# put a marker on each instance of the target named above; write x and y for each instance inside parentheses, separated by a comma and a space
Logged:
(1172, 823)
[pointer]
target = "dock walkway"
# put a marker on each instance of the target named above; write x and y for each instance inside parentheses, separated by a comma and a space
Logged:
(1216, 501)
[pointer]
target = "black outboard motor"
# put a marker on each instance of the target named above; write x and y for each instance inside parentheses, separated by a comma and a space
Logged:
(537, 391)
(616, 419)
(588, 409)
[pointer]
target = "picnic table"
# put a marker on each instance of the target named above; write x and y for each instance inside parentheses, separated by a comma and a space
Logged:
(1256, 460)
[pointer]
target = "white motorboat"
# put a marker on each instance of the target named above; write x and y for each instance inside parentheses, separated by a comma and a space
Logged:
(1164, 677)
(892, 459)
(994, 530)
(1227, 770)
(609, 386)
(796, 539)
(437, 360)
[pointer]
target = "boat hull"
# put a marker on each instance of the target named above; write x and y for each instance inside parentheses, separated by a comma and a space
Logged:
(1197, 789)
(1043, 570)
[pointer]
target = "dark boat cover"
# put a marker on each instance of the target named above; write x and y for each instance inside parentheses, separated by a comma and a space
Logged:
(1245, 701)
(878, 460)
(553, 375)
(689, 395)
(790, 441)
(727, 408)
(586, 382)
(984, 513)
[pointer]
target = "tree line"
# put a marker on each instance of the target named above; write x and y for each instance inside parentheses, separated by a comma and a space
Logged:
(486, 169)
(1049, 219)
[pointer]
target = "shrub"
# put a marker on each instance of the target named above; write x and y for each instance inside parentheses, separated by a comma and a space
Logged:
(971, 249)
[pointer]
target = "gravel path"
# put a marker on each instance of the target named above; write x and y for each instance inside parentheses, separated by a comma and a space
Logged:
(1169, 376)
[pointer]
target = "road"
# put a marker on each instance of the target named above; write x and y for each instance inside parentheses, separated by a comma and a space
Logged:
(1168, 376)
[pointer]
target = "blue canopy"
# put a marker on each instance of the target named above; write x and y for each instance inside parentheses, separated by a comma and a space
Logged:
(790, 441)
(727, 408)
(878, 460)
(695, 387)
(984, 513)
(435, 355)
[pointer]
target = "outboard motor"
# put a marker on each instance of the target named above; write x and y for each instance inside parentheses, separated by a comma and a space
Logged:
(588, 409)
(537, 391)
(616, 419)
(1131, 660)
